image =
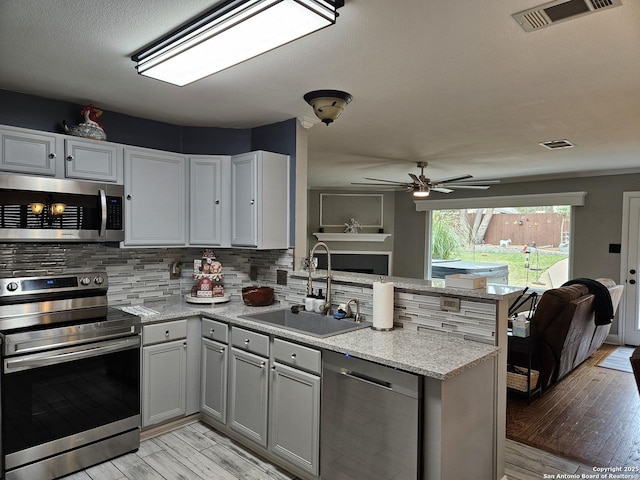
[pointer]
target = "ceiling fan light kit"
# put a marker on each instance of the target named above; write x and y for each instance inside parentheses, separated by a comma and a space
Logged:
(328, 104)
(230, 33)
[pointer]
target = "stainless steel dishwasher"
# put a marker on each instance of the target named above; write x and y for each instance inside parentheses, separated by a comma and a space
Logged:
(371, 421)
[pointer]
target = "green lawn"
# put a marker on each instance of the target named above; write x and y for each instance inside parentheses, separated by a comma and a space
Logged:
(516, 261)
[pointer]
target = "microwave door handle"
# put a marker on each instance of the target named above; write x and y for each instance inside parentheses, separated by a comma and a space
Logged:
(103, 214)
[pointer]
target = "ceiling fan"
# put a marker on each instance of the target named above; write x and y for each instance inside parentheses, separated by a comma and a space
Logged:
(421, 185)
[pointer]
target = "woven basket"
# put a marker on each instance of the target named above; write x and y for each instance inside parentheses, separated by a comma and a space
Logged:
(518, 380)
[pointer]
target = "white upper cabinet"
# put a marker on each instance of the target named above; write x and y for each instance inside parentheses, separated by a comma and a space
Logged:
(209, 200)
(28, 152)
(155, 197)
(91, 160)
(260, 200)
(60, 156)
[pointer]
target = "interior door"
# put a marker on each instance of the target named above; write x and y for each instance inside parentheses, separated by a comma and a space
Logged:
(630, 313)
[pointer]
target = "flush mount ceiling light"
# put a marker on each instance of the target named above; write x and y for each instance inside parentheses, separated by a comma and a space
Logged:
(230, 33)
(327, 104)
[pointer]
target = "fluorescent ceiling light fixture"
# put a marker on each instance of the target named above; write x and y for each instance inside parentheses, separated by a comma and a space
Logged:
(232, 32)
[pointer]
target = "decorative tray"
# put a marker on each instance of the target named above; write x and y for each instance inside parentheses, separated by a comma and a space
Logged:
(191, 299)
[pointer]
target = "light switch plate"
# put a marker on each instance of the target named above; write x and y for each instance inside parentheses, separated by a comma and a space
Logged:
(450, 304)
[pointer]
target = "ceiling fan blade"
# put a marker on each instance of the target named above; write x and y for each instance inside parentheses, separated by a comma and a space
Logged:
(441, 189)
(453, 179)
(383, 180)
(469, 187)
(473, 182)
(383, 185)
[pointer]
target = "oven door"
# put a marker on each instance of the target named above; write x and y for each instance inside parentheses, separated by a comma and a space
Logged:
(62, 399)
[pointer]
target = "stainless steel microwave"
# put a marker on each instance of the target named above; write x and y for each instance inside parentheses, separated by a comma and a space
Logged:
(40, 209)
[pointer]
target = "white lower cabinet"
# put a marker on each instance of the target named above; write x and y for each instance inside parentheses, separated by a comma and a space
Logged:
(294, 417)
(277, 408)
(248, 395)
(164, 393)
(164, 372)
(215, 360)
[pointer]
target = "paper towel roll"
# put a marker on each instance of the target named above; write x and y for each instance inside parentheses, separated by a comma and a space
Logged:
(383, 305)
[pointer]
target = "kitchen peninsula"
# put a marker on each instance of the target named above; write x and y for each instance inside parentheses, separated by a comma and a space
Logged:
(462, 400)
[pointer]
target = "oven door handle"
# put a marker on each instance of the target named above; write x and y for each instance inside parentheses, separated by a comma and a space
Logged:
(38, 360)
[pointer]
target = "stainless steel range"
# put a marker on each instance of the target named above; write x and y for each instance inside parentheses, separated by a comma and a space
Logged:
(70, 381)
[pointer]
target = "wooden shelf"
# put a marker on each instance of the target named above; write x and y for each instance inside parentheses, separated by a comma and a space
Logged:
(351, 237)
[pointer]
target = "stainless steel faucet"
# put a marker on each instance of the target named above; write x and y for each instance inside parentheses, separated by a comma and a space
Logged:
(327, 307)
(357, 317)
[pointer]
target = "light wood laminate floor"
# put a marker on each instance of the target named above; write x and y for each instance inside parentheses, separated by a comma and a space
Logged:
(196, 451)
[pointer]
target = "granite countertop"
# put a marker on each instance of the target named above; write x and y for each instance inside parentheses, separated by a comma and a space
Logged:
(430, 354)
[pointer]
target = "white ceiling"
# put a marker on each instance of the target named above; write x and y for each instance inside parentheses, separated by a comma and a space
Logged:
(456, 83)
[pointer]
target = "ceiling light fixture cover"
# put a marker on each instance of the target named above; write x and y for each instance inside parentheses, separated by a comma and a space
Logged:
(328, 104)
(231, 33)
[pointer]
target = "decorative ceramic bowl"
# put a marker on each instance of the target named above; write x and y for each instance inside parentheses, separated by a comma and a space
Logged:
(257, 296)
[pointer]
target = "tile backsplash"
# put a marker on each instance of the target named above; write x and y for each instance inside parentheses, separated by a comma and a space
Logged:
(139, 275)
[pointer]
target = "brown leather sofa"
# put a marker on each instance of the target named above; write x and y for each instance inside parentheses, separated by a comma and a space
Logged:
(566, 320)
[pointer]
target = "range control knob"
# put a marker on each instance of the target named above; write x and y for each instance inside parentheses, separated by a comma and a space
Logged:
(12, 286)
(85, 280)
(99, 280)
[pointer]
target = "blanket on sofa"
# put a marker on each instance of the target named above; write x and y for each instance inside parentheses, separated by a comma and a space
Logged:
(602, 304)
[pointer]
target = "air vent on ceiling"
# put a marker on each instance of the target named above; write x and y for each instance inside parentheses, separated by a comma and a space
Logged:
(556, 144)
(559, 11)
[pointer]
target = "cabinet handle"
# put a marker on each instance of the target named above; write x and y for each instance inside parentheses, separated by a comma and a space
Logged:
(221, 350)
(128, 197)
(253, 202)
(184, 345)
(166, 334)
(246, 341)
(273, 368)
(52, 155)
(211, 331)
(70, 158)
(293, 356)
(217, 202)
(262, 364)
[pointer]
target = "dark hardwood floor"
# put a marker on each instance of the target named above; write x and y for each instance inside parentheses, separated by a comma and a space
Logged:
(591, 416)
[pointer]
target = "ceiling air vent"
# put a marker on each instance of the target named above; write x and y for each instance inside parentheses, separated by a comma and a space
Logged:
(558, 11)
(557, 144)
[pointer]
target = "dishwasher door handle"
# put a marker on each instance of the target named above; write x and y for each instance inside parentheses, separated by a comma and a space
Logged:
(367, 379)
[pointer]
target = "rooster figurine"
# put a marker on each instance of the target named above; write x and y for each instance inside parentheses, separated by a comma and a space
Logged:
(91, 128)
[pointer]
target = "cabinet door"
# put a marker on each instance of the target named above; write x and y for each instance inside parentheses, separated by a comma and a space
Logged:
(248, 384)
(209, 204)
(155, 198)
(294, 421)
(244, 198)
(91, 160)
(164, 376)
(27, 152)
(213, 391)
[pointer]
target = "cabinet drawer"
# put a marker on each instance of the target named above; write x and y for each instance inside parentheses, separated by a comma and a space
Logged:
(297, 355)
(215, 330)
(251, 341)
(164, 332)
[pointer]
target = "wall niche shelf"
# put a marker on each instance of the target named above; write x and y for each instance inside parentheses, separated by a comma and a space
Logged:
(351, 237)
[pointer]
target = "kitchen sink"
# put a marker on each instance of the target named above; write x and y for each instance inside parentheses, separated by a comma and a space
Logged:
(313, 324)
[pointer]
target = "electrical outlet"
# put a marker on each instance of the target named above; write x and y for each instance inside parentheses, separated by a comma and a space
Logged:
(253, 273)
(450, 304)
(281, 277)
